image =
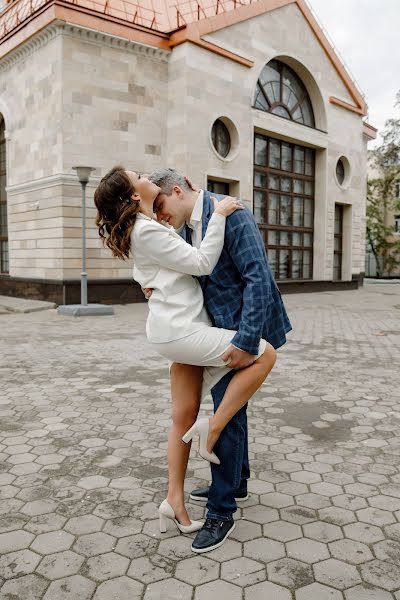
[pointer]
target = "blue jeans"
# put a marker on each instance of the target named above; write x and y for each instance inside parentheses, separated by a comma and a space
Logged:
(232, 449)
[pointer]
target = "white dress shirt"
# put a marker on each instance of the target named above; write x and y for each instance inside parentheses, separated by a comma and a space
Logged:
(195, 222)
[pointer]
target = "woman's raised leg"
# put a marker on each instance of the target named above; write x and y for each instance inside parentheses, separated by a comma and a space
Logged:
(186, 383)
(241, 388)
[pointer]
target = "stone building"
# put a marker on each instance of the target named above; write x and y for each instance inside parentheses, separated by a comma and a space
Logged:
(245, 98)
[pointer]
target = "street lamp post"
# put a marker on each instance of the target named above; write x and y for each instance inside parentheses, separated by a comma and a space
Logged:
(83, 174)
(84, 308)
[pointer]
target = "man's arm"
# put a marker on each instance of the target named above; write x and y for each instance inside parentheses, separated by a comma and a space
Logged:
(245, 246)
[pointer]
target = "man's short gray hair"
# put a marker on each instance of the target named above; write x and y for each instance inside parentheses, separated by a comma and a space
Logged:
(166, 179)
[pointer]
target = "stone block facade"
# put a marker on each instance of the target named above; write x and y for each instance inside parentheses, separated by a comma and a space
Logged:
(70, 95)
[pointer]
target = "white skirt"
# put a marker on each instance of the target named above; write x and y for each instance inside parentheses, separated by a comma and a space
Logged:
(204, 348)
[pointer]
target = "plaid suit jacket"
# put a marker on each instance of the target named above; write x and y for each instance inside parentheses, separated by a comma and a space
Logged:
(241, 292)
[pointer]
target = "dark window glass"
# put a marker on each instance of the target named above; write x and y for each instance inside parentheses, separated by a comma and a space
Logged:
(273, 182)
(338, 243)
(297, 212)
(260, 180)
(307, 266)
(274, 155)
(308, 188)
(260, 151)
(307, 239)
(299, 160)
(281, 92)
(273, 209)
(296, 264)
(221, 138)
(259, 206)
(284, 239)
(2, 185)
(272, 259)
(4, 258)
(2, 157)
(218, 187)
(310, 161)
(286, 184)
(298, 186)
(340, 172)
(285, 210)
(297, 238)
(3, 219)
(260, 100)
(284, 264)
(281, 111)
(273, 237)
(286, 157)
(308, 213)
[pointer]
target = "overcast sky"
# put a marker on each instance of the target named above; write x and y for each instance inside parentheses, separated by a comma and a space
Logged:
(366, 33)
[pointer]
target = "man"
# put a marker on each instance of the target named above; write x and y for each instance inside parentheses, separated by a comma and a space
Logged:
(240, 294)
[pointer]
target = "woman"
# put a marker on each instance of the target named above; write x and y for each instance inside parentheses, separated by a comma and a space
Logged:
(178, 326)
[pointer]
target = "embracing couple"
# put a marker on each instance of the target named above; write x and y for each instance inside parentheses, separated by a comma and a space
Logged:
(215, 313)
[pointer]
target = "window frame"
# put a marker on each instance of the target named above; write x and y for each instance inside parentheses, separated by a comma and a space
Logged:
(216, 128)
(266, 226)
(280, 67)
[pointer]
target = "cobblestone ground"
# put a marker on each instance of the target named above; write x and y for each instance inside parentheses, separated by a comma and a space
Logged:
(84, 416)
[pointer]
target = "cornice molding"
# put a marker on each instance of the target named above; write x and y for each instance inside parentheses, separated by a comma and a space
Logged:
(36, 42)
(49, 182)
(101, 38)
(369, 131)
(346, 105)
(61, 28)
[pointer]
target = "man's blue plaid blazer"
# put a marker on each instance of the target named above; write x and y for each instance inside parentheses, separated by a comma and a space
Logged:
(241, 292)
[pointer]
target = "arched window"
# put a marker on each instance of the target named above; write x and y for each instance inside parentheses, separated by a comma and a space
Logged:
(3, 201)
(281, 92)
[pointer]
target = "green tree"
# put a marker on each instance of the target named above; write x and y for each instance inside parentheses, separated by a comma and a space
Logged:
(383, 197)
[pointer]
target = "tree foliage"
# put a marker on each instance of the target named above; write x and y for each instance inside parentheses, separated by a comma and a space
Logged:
(383, 198)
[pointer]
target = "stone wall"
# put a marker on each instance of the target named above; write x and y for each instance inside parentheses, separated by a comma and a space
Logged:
(30, 92)
(71, 97)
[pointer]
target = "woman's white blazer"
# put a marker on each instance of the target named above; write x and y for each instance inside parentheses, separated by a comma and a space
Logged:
(166, 263)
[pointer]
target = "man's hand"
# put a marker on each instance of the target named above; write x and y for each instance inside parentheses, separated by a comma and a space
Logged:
(238, 359)
(147, 292)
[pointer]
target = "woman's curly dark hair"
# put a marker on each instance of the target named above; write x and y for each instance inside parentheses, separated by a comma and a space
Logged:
(116, 211)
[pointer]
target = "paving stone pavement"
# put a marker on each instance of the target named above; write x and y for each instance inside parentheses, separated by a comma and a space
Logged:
(84, 418)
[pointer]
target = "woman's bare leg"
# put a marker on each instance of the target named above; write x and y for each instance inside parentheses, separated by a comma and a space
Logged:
(241, 388)
(186, 383)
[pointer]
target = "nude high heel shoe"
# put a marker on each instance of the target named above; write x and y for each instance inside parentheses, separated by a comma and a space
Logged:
(167, 512)
(201, 427)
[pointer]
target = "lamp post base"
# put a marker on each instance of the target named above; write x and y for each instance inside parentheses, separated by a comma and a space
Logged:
(81, 310)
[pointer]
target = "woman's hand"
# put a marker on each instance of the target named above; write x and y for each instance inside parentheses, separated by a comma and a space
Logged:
(227, 206)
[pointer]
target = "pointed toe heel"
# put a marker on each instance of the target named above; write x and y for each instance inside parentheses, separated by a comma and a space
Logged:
(166, 512)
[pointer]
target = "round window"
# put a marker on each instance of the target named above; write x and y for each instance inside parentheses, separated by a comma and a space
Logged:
(340, 171)
(221, 138)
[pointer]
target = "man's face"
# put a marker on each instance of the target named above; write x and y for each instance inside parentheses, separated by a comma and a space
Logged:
(171, 209)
